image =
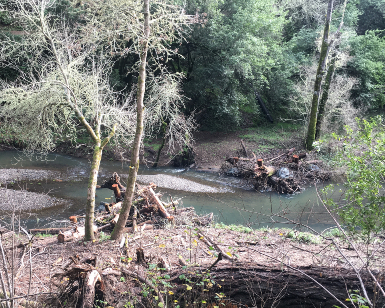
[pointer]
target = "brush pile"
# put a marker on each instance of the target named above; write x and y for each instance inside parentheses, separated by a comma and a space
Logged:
(284, 173)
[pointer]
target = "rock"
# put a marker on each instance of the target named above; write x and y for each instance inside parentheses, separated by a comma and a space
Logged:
(233, 172)
(312, 167)
(284, 173)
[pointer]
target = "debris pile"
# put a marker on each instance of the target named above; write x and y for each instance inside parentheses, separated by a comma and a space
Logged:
(284, 174)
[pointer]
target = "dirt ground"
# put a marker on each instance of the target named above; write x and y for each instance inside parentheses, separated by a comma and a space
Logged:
(212, 148)
(272, 249)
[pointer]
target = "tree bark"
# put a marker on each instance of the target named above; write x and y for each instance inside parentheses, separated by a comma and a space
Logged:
(90, 207)
(324, 98)
(164, 127)
(134, 164)
(317, 85)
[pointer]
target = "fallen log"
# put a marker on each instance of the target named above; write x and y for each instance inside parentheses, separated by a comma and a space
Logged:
(162, 210)
(73, 234)
(294, 287)
(314, 162)
(52, 231)
(288, 153)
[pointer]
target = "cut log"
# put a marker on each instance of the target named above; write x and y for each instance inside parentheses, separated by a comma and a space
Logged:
(52, 231)
(290, 152)
(73, 234)
(89, 288)
(164, 264)
(162, 210)
(270, 170)
(140, 256)
(314, 162)
(117, 193)
(302, 155)
(296, 159)
(146, 225)
(112, 207)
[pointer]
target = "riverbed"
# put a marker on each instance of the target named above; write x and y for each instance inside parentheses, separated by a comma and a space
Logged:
(64, 179)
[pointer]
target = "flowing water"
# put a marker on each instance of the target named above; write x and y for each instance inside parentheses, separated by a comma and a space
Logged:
(231, 201)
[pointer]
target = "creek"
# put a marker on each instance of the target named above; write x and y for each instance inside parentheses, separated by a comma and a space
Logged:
(230, 199)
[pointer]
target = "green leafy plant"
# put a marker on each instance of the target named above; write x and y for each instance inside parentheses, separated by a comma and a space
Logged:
(362, 153)
(238, 228)
(303, 237)
(103, 236)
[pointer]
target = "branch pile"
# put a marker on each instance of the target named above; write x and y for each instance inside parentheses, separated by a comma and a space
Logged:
(284, 173)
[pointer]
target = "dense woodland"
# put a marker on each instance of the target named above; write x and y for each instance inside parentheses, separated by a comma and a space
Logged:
(111, 73)
(234, 49)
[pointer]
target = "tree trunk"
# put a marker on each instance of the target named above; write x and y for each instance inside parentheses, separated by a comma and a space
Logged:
(324, 98)
(318, 80)
(164, 127)
(90, 207)
(263, 107)
(134, 164)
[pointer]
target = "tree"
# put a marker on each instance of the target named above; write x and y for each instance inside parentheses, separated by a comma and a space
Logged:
(128, 24)
(134, 163)
(368, 65)
(237, 43)
(68, 86)
(325, 49)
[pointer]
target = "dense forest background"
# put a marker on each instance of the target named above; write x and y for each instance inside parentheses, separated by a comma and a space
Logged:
(236, 49)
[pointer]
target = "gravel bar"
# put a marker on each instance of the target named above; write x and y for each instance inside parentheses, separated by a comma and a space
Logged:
(14, 175)
(176, 183)
(24, 200)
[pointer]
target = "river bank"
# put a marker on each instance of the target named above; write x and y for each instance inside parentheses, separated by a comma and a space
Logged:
(187, 264)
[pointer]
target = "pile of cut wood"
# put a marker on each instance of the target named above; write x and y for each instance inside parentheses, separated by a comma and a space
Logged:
(282, 173)
(147, 212)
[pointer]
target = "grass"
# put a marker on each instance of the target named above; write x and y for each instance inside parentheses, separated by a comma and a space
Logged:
(43, 235)
(304, 237)
(238, 228)
(271, 136)
(154, 146)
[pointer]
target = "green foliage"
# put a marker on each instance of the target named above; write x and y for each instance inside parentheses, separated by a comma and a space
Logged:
(363, 153)
(303, 237)
(335, 232)
(238, 45)
(271, 136)
(368, 64)
(355, 298)
(238, 228)
(372, 15)
(103, 236)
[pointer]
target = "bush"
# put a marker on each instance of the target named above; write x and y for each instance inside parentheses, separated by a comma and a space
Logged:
(363, 153)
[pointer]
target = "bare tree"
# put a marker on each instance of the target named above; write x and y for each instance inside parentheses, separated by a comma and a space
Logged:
(154, 37)
(68, 87)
